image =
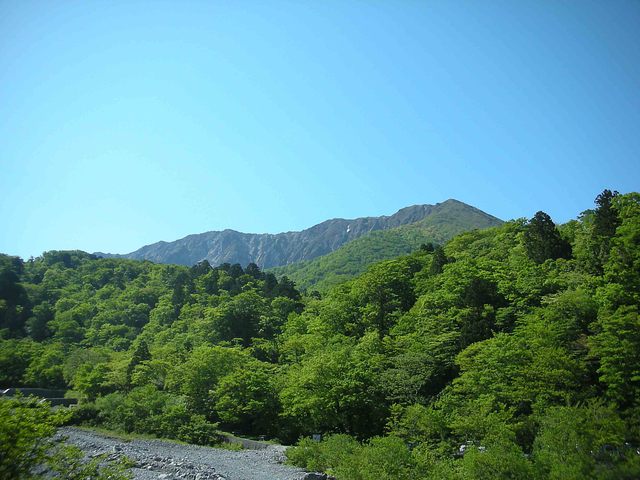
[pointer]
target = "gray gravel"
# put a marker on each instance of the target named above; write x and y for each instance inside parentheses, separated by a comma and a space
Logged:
(158, 459)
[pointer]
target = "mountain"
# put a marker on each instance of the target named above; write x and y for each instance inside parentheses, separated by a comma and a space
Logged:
(446, 221)
(271, 250)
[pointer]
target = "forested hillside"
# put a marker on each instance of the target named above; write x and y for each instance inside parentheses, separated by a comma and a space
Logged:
(511, 352)
(355, 257)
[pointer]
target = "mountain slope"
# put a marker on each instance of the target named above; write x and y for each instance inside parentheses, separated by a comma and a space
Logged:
(353, 258)
(269, 250)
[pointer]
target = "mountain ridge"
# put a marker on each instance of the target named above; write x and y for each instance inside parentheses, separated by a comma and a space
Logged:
(269, 250)
(353, 258)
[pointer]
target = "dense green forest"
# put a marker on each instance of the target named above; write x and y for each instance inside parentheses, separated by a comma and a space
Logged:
(510, 352)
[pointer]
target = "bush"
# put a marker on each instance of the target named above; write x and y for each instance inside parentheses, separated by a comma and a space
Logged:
(147, 410)
(177, 421)
(501, 459)
(85, 413)
(25, 426)
(382, 458)
(307, 454)
(326, 455)
(27, 447)
(584, 442)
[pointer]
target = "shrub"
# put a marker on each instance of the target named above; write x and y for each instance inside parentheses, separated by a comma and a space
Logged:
(584, 442)
(323, 456)
(382, 458)
(27, 447)
(307, 454)
(341, 455)
(147, 410)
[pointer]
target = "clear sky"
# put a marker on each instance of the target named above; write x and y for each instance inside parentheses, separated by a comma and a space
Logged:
(125, 123)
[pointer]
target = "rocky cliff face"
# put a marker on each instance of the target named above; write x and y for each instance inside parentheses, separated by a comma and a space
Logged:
(270, 250)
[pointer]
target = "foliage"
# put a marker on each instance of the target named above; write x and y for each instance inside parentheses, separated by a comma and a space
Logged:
(617, 347)
(147, 410)
(26, 446)
(584, 442)
(334, 450)
(247, 399)
(355, 257)
(542, 240)
(508, 352)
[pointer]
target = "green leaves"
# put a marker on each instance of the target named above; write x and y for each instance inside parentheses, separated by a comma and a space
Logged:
(25, 427)
(381, 458)
(239, 318)
(617, 347)
(542, 239)
(498, 341)
(199, 376)
(246, 399)
(584, 442)
(26, 446)
(334, 388)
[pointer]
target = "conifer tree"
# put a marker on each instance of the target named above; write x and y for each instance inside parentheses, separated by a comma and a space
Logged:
(542, 239)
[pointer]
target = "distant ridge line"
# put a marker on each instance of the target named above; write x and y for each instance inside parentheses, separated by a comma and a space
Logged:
(270, 250)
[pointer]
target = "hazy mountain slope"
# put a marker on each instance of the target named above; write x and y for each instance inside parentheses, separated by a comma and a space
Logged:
(269, 250)
(354, 257)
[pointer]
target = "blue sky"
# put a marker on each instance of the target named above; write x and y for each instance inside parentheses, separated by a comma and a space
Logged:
(125, 123)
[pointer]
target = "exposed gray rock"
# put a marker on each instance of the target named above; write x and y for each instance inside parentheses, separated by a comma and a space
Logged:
(158, 459)
(315, 476)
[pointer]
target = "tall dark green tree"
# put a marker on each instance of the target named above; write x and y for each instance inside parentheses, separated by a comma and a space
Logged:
(542, 239)
(605, 223)
(140, 354)
(606, 215)
(286, 288)
(182, 288)
(14, 304)
(254, 271)
(438, 261)
(200, 268)
(239, 318)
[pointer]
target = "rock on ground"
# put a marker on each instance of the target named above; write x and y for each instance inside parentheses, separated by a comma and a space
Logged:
(159, 459)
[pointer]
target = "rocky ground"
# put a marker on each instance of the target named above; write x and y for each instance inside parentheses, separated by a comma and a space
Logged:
(159, 459)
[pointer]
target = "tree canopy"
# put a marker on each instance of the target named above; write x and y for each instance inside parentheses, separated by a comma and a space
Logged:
(509, 352)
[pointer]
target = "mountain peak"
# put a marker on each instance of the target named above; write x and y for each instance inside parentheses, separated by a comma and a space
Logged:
(270, 250)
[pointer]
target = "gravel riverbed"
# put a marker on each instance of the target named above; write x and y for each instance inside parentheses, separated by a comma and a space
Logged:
(159, 459)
